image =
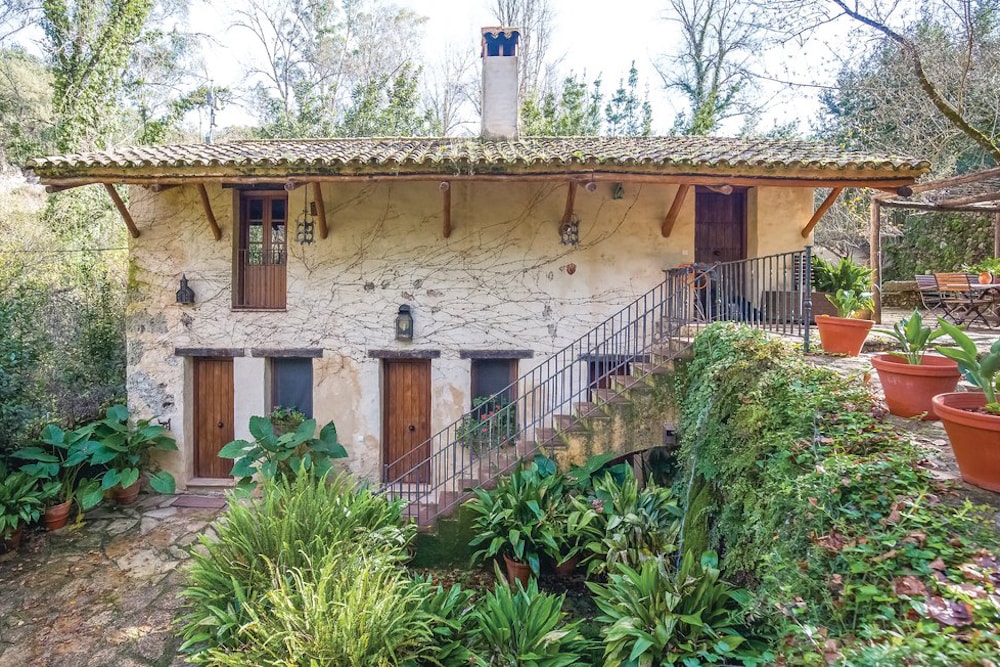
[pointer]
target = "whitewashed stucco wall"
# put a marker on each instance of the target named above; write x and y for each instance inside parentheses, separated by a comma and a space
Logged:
(501, 281)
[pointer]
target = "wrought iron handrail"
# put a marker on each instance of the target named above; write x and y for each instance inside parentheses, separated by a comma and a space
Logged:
(766, 292)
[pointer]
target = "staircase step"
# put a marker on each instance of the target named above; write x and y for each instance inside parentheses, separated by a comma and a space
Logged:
(621, 382)
(568, 424)
(589, 410)
(549, 438)
(610, 396)
(665, 367)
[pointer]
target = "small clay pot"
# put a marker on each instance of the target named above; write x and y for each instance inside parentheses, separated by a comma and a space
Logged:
(13, 542)
(843, 335)
(909, 388)
(127, 495)
(974, 436)
(57, 516)
(517, 571)
(567, 567)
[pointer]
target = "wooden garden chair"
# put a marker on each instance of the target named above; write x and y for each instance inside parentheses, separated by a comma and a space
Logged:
(930, 295)
(962, 304)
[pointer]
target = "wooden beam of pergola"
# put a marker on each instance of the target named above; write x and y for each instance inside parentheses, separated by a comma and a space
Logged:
(122, 210)
(207, 205)
(875, 257)
(445, 188)
(821, 211)
(972, 177)
(570, 204)
(324, 230)
(971, 199)
(675, 210)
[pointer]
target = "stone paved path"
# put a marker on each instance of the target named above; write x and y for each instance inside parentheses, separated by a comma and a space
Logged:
(103, 592)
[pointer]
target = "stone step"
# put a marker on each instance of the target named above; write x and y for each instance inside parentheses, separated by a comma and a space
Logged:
(608, 396)
(625, 382)
(665, 367)
(590, 410)
(568, 424)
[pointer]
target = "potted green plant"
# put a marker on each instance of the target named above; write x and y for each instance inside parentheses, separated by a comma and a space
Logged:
(21, 503)
(492, 423)
(57, 461)
(987, 270)
(972, 418)
(574, 526)
(829, 278)
(845, 334)
(514, 521)
(123, 449)
(910, 378)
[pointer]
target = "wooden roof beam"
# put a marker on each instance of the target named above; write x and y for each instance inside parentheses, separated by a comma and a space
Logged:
(821, 211)
(122, 210)
(675, 210)
(207, 205)
(567, 218)
(324, 229)
(972, 199)
(445, 188)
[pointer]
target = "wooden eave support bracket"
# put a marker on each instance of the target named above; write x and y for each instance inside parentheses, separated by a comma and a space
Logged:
(324, 230)
(675, 210)
(821, 211)
(207, 205)
(567, 218)
(122, 210)
(445, 188)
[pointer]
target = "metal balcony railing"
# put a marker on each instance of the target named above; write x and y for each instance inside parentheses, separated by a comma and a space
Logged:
(770, 293)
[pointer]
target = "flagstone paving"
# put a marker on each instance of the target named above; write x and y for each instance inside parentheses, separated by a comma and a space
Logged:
(104, 592)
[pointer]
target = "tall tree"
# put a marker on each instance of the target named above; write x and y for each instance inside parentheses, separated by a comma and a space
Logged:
(626, 114)
(576, 111)
(712, 69)
(450, 85)
(90, 42)
(25, 107)
(535, 18)
(386, 106)
(316, 53)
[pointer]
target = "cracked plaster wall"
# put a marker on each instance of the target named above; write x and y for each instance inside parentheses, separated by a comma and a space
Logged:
(501, 281)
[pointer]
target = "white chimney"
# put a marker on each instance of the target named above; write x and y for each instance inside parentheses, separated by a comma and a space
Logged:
(500, 86)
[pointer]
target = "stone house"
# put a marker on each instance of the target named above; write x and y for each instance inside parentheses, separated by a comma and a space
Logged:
(301, 255)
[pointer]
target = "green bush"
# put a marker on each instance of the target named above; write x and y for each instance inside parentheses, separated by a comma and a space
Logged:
(821, 509)
(655, 616)
(524, 628)
(296, 524)
(632, 524)
(358, 610)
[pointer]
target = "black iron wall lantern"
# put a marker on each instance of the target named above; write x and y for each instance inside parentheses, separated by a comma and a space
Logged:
(404, 324)
(185, 295)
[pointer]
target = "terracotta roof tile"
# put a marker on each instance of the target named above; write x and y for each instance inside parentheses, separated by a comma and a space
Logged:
(470, 155)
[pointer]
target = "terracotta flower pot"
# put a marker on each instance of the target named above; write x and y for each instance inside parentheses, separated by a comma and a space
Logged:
(127, 495)
(985, 278)
(843, 335)
(909, 388)
(57, 516)
(517, 571)
(566, 568)
(974, 437)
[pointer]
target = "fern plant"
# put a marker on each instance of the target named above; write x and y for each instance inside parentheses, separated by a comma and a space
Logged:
(658, 617)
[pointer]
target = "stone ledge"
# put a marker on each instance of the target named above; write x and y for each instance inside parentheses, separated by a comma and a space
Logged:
(404, 354)
(226, 352)
(313, 352)
(496, 354)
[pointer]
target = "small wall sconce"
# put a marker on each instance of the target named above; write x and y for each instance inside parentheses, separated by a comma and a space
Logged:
(404, 324)
(569, 231)
(185, 295)
(618, 191)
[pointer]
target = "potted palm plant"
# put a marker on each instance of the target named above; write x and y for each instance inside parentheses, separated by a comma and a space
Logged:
(829, 278)
(972, 419)
(910, 378)
(21, 503)
(845, 334)
(123, 448)
(57, 462)
(514, 521)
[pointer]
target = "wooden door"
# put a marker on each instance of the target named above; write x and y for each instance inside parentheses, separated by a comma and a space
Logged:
(213, 416)
(720, 226)
(406, 420)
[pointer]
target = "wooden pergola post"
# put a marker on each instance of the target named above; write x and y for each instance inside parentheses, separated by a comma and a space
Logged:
(996, 234)
(875, 257)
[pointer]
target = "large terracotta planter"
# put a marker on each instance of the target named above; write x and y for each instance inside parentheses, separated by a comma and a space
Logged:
(57, 516)
(13, 542)
(517, 571)
(909, 388)
(127, 495)
(843, 335)
(974, 437)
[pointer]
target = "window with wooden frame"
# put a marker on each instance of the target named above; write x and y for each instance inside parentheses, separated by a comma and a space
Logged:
(292, 384)
(490, 379)
(262, 251)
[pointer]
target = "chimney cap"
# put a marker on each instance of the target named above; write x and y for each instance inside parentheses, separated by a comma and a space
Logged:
(500, 41)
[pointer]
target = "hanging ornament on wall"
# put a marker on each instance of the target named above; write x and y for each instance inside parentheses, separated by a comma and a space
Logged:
(306, 222)
(569, 231)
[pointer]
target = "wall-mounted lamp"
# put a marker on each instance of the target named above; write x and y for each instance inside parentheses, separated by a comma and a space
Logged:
(185, 295)
(590, 186)
(404, 324)
(618, 191)
(569, 231)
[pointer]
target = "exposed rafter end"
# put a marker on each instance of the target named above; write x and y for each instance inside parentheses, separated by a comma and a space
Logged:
(207, 205)
(52, 189)
(821, 211)
(445, 188)
(160, 187)
(675, 210)
(324, 230)
(720, 189)
(122, 210)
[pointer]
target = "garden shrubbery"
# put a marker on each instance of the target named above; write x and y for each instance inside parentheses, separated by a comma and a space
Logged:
(826, 513)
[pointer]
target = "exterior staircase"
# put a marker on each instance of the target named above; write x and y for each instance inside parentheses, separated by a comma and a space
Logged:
(610, 390)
